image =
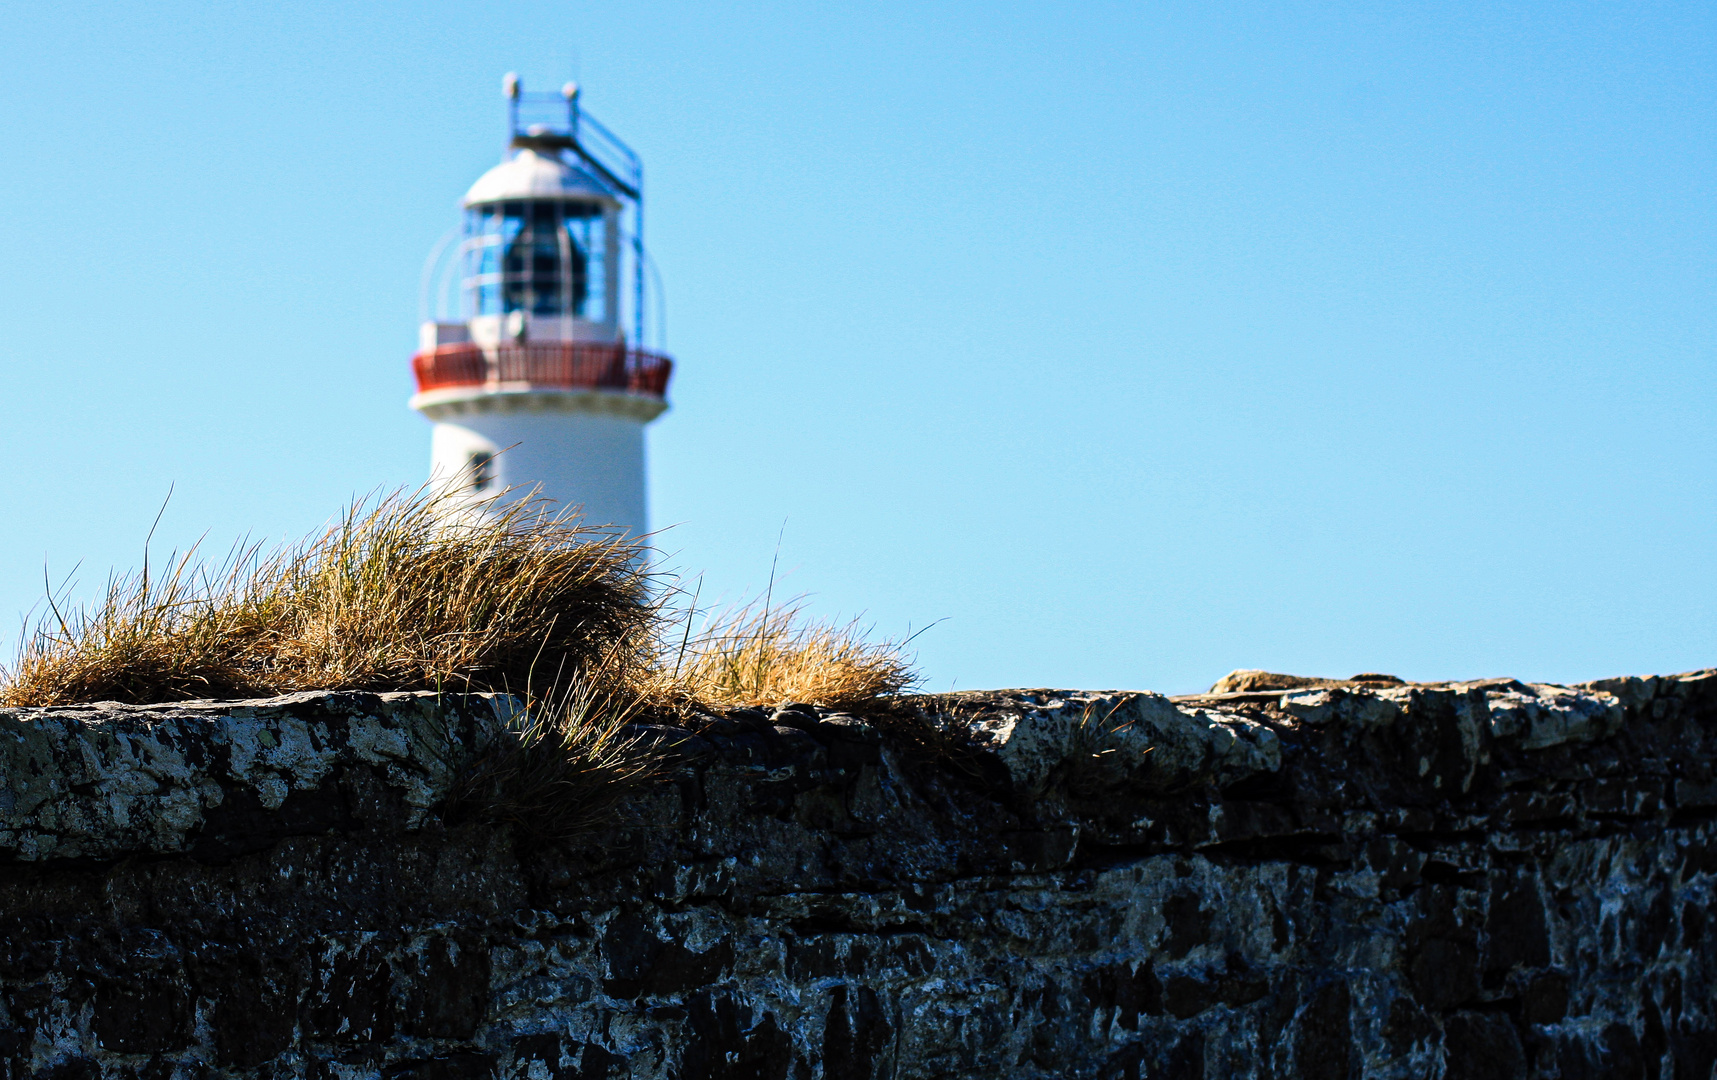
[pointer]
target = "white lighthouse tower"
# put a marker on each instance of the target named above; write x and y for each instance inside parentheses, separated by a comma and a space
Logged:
(524, 363)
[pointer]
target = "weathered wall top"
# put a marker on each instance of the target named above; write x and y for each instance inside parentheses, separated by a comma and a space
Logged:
(107, 780)
(1467, 880)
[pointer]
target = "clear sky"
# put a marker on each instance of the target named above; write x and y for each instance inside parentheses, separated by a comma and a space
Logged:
(1138, 342)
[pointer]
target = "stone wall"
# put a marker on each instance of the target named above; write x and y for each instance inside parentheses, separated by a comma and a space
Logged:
(1465, 880)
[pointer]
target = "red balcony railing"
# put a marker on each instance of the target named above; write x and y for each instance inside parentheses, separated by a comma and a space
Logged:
(550, 364)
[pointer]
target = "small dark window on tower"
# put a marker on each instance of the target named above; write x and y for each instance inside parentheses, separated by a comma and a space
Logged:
(482, 469)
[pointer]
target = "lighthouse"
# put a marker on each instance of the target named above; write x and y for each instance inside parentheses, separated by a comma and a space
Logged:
(524, 363)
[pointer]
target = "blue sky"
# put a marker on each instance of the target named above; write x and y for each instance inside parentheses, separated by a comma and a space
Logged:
(1138, 342)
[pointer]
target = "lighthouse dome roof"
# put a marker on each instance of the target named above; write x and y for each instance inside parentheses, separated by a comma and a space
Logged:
(533, 175)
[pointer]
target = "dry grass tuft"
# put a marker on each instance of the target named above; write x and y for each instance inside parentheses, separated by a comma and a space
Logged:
(758, 655)
(390, 597)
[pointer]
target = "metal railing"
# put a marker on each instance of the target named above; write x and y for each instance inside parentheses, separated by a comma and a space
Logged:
(549, 364)
(555, 118)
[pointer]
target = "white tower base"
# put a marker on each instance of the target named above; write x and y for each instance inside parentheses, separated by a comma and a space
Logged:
(582, 449)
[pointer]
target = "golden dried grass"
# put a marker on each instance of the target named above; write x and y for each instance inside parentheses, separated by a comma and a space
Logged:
(390, 597)
(764, 655)
(402, 592)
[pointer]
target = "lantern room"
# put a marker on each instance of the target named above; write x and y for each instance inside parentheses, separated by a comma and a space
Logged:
(540, 254)
(547, 233)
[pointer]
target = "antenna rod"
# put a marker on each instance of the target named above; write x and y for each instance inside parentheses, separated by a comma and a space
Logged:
(570, 93)
(510, 87)
(638, 264)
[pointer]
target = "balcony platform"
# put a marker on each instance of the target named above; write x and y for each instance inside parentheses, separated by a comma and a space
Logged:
(541, 376)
